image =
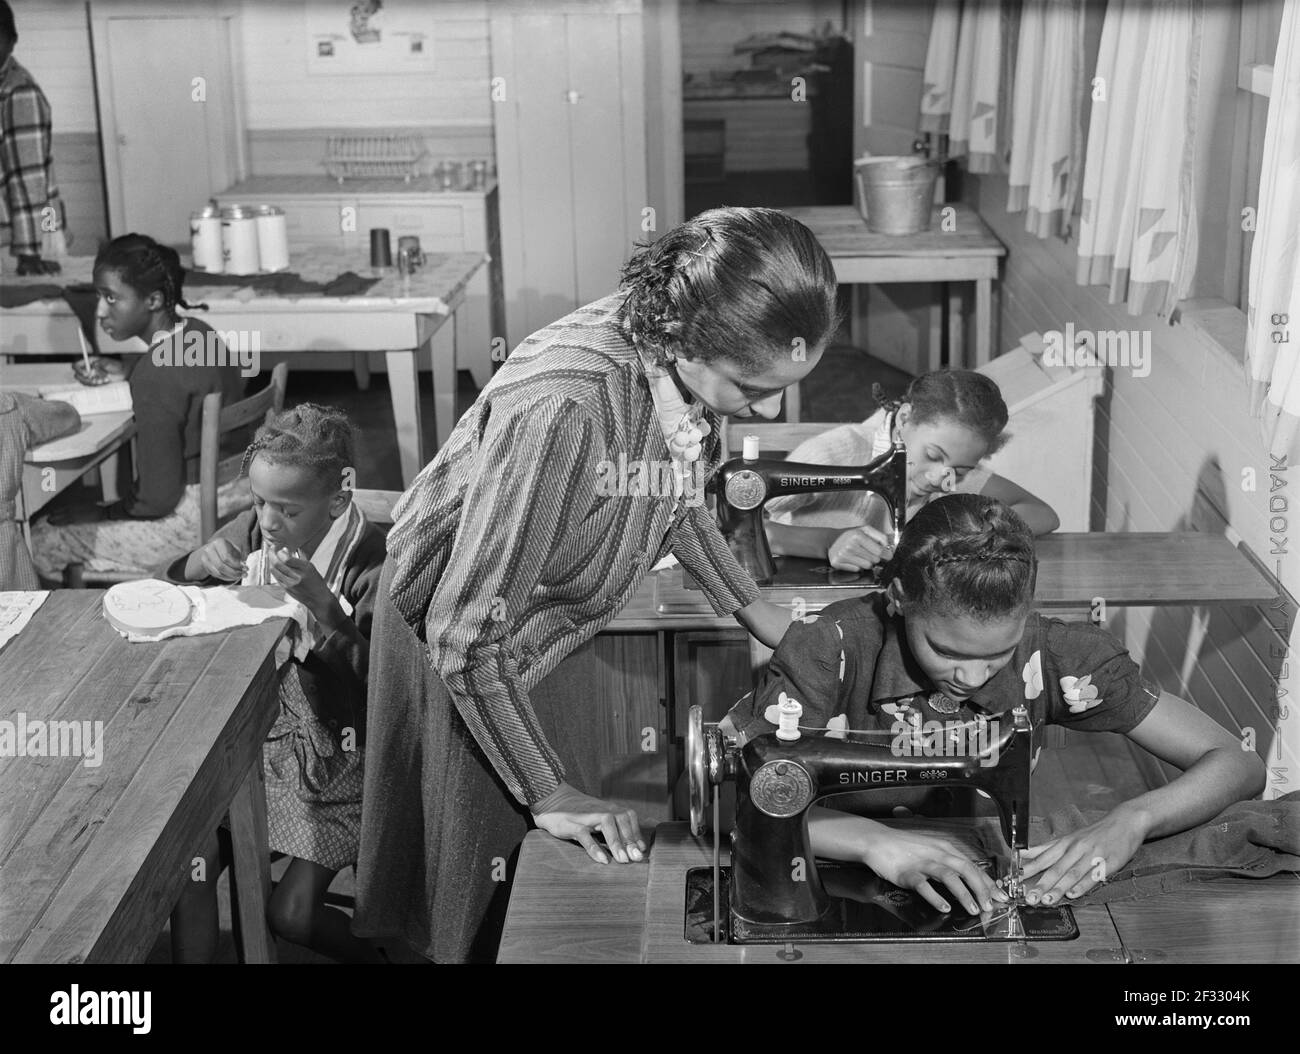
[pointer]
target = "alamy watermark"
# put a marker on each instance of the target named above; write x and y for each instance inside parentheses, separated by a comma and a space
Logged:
(21, 738)
(211, 347)
(1117, 348)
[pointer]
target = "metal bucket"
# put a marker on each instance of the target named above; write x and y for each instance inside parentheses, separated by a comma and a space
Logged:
(896, 194)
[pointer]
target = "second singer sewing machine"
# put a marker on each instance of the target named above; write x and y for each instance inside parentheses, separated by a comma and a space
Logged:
(775, 891)
(744, 485)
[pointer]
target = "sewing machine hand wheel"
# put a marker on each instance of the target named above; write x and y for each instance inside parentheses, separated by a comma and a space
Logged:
(703, 766)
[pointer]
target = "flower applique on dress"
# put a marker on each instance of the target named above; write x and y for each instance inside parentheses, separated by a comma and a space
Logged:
(1080, 693)
(1032, 675)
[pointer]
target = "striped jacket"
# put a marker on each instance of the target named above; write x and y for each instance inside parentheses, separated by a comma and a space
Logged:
(507, 553)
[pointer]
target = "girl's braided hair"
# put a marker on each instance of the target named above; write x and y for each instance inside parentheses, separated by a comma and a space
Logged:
(971, 399)
(146, 267)
(965, 554)
(739, 283)
(317, 438)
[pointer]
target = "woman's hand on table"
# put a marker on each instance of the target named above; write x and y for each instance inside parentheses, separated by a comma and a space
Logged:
(219, 559)
(1073, 864)
(571, 815)
(859, 549)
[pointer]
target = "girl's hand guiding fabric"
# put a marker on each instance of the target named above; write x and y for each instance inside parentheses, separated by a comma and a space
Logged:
(1071, 865)
(911, 859)
(220, 559)
(859, 549)
(577, 817)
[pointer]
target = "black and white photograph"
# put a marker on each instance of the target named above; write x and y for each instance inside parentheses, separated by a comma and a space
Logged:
(491, 482)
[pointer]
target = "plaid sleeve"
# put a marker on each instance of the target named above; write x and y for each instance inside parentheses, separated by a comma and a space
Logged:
(25, 150)
(1090, 681)
(516, 510)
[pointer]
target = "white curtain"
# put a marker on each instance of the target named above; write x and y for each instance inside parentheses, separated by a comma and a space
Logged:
(1138, 230)
(963, 64)
(1047, 101)
(1273, 318)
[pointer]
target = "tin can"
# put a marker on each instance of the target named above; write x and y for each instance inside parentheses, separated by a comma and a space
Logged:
(272, 239)
(239, 240)
(406, 261)
(205, 240)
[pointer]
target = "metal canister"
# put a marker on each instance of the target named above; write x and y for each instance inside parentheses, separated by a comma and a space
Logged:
(205, 239)
(239, 240)
(272, 239)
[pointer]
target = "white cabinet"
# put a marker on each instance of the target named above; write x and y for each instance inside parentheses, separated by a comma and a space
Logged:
(571, 145)
(1052, 413)
(320, 211)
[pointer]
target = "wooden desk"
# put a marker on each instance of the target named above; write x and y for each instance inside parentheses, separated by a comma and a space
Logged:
(968, 253)
(400, 317)
(1124, 569)
(49, 469)
(93, 858)
(565, 908)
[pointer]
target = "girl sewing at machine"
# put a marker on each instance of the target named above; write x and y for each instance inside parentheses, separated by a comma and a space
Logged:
(953, 639)
(305, 533)
(949, 420)
(139, 283)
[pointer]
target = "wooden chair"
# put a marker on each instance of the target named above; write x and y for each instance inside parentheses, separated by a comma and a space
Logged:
(213, 471)
(377, 505)
(220, 420)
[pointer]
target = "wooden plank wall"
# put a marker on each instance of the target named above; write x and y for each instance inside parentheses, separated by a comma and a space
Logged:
(1172, 450)
(290, 113)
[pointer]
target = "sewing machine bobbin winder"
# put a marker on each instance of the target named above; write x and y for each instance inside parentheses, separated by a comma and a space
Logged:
(775, 891)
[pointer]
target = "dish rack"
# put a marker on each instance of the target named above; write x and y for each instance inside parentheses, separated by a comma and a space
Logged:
(373, 157)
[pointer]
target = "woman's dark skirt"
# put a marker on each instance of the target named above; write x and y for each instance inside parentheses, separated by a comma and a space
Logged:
(438, 828)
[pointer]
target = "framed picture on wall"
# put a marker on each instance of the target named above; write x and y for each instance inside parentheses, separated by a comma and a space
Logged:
(369, 36)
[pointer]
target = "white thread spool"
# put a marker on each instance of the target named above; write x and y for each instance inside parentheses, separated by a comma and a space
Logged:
(749, 448)
(272, 239)
(789, 713)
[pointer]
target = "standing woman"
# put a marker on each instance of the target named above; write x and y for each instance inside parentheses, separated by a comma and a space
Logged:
(509, 554)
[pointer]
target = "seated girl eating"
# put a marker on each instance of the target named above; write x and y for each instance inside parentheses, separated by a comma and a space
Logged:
(306, 534)
(953, 638)
(949, 420)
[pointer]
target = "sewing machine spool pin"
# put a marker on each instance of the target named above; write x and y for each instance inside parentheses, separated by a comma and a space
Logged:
(745, 484)
(775, 891)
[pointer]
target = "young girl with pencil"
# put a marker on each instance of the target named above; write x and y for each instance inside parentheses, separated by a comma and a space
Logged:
(306, 534)
(949, 420)
(139, 283)
(953, 638)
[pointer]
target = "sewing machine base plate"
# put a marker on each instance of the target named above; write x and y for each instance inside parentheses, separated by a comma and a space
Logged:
(869, 910)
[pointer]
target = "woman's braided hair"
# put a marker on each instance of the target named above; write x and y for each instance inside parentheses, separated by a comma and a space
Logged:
(147, 267)
(316, 438)
(971, 399)
(739, 283)
(966, 554)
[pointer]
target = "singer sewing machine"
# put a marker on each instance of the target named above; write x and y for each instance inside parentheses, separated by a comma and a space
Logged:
(744, 485)
(775, 891)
